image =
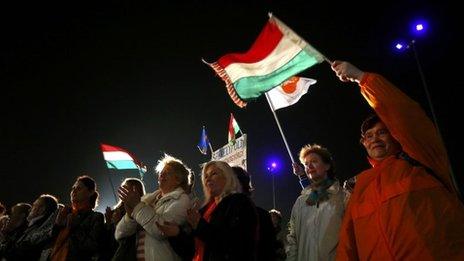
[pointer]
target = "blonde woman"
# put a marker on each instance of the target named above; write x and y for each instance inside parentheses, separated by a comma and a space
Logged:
(225, 228)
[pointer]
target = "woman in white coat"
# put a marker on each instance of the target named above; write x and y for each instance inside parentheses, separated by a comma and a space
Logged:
(316, 215)
(167, 204)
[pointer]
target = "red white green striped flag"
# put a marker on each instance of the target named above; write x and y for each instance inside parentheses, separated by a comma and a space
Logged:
(233, 129)
(119, 158)
(277, 54)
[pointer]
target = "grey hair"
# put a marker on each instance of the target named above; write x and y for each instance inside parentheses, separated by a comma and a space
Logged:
(180, 170)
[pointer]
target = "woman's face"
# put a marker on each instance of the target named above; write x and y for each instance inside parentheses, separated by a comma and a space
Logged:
(80, 193)
(214, 180)
(167, 180)
(316, 169)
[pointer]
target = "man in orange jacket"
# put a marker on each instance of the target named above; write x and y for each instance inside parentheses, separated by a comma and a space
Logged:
(405, 207)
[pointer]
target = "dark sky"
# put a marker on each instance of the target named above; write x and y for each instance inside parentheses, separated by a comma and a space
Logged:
(73, 76)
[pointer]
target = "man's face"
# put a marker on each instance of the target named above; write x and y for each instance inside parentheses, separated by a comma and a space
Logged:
(38, 208)
(379, 143)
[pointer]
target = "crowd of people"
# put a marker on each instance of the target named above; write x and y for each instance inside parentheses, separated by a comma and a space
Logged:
(403, 208)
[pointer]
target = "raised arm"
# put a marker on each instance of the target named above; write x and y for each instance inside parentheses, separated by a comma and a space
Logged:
(404, 118)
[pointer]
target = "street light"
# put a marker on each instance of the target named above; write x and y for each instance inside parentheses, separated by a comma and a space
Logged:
(419, 29)
(272, 168)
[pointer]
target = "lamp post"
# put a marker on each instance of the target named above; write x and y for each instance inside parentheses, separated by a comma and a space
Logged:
(419, 29)
(271, 170)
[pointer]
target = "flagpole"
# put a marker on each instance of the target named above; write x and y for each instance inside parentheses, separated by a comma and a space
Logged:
(434, 117)
(211, 148)
(112, 188)
(141, 173)
(239, 129)
(280, 128)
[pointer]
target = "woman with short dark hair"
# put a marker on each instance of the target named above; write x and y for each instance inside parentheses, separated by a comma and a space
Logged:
(78, 227)
(318, 212)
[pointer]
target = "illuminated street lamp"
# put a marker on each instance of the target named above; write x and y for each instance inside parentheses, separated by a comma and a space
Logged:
(272, 169)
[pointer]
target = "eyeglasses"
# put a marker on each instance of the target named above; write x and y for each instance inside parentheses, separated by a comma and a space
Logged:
(370, 135)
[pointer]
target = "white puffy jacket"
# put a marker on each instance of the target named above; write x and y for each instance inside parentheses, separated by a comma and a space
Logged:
(171, 207)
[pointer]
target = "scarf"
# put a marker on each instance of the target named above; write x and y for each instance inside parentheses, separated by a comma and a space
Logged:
(61, 247)
(199, 245)
(319, 192)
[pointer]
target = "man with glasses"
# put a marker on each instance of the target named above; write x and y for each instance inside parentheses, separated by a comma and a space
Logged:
(405, 207)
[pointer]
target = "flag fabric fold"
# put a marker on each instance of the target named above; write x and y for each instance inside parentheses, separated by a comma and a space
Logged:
(204, 142)
(277, 54)
(289, 92)
(233, 129)
(119, 158)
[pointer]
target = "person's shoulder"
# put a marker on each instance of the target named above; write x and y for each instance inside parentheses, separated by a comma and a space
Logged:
(184, 198)
(263, 215)
(98, 214)
(178, 194)
(301, 199)
(365, 176)
(262, 211)
(239, 198)
(149, 197)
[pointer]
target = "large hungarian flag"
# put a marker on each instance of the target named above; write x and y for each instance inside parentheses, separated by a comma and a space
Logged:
(277, 54)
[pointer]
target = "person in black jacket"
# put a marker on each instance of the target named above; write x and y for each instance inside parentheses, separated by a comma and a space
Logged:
(226, 227)
(281, 234)
(266, 232)
(14, 229)
(38, 232)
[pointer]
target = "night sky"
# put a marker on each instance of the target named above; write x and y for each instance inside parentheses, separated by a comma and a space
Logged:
(74, 76)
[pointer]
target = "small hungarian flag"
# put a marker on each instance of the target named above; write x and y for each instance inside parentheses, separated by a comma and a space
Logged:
(233, 129)
(277, 54)
(119, 158)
